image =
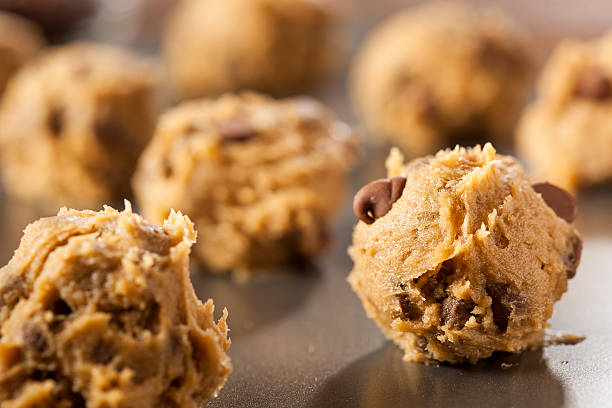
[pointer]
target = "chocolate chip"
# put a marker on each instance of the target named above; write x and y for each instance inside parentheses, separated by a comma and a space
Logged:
(376, 198)
(455, 312)
(236, 130)
(410, 311)
(572, 259)
(421, 344)
(559, 200)
(594, 84)
(55, 121)
(149, 319)
(102, 352)
(109, 132)
(34, 338)
(504, 298)
(61, 308)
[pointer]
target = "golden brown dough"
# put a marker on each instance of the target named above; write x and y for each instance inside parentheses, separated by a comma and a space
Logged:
(73, 124)
(97, 309)
(439, 74)
(262, 177)
(280, 47)
(470, 258)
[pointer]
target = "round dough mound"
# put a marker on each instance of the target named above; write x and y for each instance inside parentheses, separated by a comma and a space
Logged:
(281, 47)
(73, 124)
(20, 40)
(97, 309)
(468, 261)
(262, 177)
(440, 74)
(566, 133)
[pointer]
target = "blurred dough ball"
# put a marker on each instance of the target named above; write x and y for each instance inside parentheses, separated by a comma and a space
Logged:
(440, 74)
(20, 40)
(261, 178)
(566, 133)
(54, 16)
(74, 121)
(280, 47)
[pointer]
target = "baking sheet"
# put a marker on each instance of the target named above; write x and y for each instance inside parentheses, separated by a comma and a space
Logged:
(302, 339)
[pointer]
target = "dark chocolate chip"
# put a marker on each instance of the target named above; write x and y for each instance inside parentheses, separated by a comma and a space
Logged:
(455, 312)
(594, 84)
(504, 298)
(109, 132)
(236, 130)
(55, 121)
(421, 344)
(149, 319)
(102, 352)
(410, 311)
(61, 308)
(376, 198)
(572, 259)
(34, 338)
(558, 199)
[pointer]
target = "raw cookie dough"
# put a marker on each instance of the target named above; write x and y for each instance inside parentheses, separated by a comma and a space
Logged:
(468, 260)
(439, 74)
(73, 124)
(97, 309)
(566, 133)
(280, 47)
(20, 40)
(262, 177)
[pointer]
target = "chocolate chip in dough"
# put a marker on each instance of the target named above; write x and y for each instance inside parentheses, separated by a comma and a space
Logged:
(421, 344)
(572, 259)
(375, 199)
(562, 202)
(55, 121)
(456, 312)
(410, 311)
(594, 84)
(503, 299)
(34, 338)
(236, 130)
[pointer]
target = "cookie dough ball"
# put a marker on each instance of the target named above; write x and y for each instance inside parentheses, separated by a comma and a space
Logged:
(73, 124)
(458, 255)
(262, 177)
(20, 40)
(97, 309)
(566, 133)
(279, 47)
(440, 74)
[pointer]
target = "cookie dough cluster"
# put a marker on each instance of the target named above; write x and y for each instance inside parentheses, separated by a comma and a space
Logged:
(97, 309)
(440, 74)
(458, 255)
(278, 47)
(74, 122)
(261, 178)
(566, 133)
(20, 41)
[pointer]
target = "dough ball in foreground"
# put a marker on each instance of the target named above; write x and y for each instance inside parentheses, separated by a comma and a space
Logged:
(279, 47)
(566, 133)
(440, 74)
(262, 177)
(97, 309)
(74, 122)
(458, 255)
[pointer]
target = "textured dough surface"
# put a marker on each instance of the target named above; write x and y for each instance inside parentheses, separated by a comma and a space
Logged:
(281, 48)
(468, 261)
(261, 200)
(565, 137)
(438, 74)
(20, 40)
(73, 124)
(97, 309)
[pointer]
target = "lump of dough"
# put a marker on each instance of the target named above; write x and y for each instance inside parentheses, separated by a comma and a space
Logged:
(97, 309)
(458, 255)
